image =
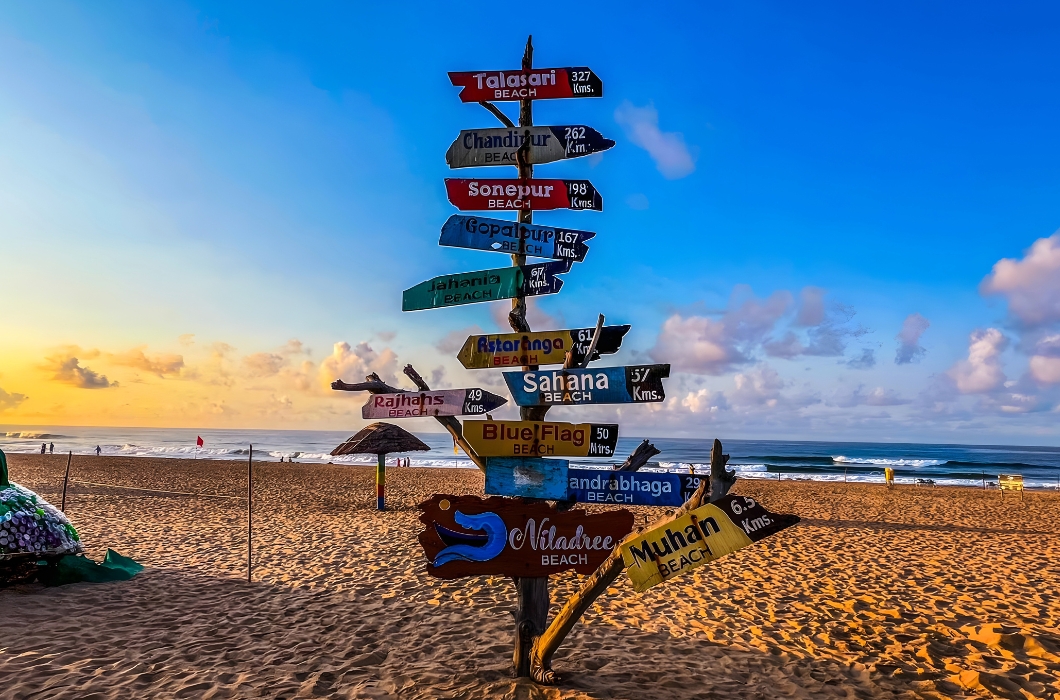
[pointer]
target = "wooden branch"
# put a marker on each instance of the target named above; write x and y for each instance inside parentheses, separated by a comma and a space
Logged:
(721, 480)
(639, 457)
(375, 386)
(601, 579)
(495, 111)
(592, 346)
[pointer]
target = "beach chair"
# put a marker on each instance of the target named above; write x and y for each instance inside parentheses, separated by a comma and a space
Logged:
(925, 482)
(1010, 482)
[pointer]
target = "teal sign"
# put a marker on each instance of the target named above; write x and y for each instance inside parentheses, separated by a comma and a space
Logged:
(486, 285)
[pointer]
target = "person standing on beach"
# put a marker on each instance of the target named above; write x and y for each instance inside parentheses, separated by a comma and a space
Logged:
(51, 448)
(98, 450)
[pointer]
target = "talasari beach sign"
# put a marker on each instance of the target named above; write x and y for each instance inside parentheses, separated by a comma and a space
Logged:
(473, 536)
(498, 235)
(537, 348)
(507, 438)
(700, 536)
(523, 195)
(485, 285)
(534, 84)
(633, 384)
(447, 402)
(545, 144)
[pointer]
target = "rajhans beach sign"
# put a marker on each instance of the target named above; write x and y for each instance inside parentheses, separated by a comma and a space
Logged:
(534, 84)
(486, 285)
(522, 195)
(537, 348)
(448, 402)
(545, 144)
(500, 236)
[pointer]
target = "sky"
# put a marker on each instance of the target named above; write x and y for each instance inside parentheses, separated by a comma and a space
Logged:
(834, 221)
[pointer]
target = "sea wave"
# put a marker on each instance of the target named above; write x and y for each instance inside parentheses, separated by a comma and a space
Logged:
(33, 435)
(888, 462)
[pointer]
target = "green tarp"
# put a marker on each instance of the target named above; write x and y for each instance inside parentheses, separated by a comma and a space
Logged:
(78, 569)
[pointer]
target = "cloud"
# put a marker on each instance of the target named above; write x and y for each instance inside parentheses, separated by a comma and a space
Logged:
(877, 397)
(704, 401)
(160, 365)
(1044, 364)
(66, 368)
(867, 360)
(294, 347)
(10, 401)
(1031, 285)
(811, 307)
(637, 201)
(981, 373)
(668, 150)
(187, 339)
(759, 387)
(454, 340)
(354, 364)
(263, 364)
(387, 336)
(908, 338)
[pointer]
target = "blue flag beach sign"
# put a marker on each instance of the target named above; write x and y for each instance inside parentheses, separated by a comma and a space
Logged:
(480, 233)
(554, 479)
(601, 385)
(479, 147)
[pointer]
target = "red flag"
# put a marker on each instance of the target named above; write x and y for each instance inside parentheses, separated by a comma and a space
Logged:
(198, 441)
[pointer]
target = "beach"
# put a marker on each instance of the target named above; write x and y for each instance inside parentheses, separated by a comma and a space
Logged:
(877, 593)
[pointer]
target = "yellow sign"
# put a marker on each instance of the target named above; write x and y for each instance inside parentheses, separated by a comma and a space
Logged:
(700, 536)
(507, 438)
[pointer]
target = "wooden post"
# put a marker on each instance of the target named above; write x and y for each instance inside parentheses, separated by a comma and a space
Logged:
(66, 479)
(380, 483)
(250, 510)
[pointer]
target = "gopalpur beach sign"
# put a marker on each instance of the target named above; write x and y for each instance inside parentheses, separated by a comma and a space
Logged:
(522, 195)
(633, 384)
(700, 536)
(485, 285)
(447, 402)
(544, 144)
(472, 536)
(500, 236)
(537, 348)
(508, 438)
(534, 84)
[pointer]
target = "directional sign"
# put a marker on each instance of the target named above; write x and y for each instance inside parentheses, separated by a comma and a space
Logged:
(478, 147)
(485, 285)
(529, 477)
(538, 348)
(509, 438)
(522, 195)
(535, 84)
(703, 535)
(478, 233)
(635, 384)
(450, 402)
(472, 536)
(629, 488)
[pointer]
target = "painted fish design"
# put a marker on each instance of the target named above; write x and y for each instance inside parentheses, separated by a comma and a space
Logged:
(493, 544)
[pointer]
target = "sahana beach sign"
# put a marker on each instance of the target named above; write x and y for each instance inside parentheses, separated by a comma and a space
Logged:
(698, 537)
(537, 348)
(633, 384)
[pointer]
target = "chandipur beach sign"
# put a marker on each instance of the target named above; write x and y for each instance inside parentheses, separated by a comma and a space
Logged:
(544, 144)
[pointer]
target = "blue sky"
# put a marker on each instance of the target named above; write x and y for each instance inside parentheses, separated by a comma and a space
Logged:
(202, 202)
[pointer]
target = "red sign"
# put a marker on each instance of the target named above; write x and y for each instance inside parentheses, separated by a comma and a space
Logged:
(534, 195)
(473, 536)
(536, 84)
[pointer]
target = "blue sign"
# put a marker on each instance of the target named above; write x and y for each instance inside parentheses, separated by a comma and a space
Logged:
(629, 488)
(478, 233)
(633, 384)
(531, 477)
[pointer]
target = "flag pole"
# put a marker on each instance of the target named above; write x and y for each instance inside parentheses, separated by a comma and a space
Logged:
(250, 509)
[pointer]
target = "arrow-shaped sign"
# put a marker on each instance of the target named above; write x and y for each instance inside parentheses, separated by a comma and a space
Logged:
(537, 348)
(508, 438)
(522, 195)
(485, 285)
(449, 402)
(635, 384)
(478, 233)
(478, 147)
(534, 84)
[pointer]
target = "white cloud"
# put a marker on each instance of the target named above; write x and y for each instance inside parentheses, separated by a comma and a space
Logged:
(159, 365)
(981, 373)
(759, 387)
(354, 364)
(704, 401)
(908, 338)
(66, 368)
(667, 148)
(1031, 285)
(866, 360)
(877, 397)
(263, 364)
(811, 307)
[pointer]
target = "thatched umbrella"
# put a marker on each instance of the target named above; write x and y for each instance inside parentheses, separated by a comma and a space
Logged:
(381, 439)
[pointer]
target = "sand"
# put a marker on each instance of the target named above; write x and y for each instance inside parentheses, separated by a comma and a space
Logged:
(905, 593)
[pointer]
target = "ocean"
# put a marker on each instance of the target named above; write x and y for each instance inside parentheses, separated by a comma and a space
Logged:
(957, 465)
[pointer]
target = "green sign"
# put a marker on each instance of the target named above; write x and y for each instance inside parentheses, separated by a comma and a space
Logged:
(485, 285)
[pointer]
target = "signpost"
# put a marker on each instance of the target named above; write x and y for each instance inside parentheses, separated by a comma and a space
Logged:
(507, 438)
(481, 147)
(700, 536)
(527, 84)
(540, 348)
(529, 477)
(498, 235)
(473, 536)
(449, 402)
(630, 488)
(487, 194)
(602, 385)
(485, 285)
